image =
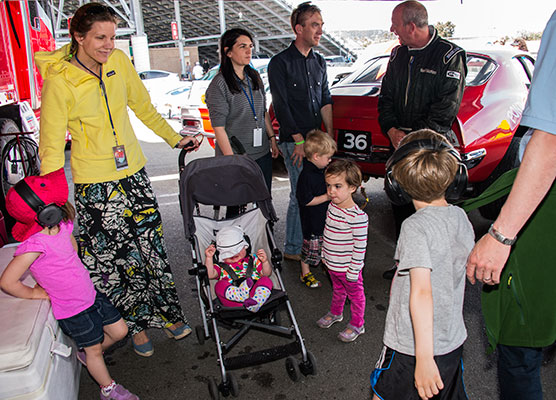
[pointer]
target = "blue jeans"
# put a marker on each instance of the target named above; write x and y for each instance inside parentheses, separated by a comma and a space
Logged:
(519, 372)
(294, 235)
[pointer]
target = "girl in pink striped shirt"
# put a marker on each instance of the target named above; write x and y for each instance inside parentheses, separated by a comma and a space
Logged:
(343, 249)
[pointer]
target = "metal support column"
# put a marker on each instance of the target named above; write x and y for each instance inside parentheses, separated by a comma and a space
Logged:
(222, 15)
(180, 37)
(139, 42)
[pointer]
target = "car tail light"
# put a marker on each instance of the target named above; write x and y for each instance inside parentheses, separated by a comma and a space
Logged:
(193, 123)
(207, 125)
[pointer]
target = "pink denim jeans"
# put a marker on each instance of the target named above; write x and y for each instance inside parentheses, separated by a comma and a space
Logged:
(342, 288)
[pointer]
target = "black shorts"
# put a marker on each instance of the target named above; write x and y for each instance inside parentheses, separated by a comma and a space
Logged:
(393, 377)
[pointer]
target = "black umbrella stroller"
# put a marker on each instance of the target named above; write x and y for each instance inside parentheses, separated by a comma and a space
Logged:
(237, 180)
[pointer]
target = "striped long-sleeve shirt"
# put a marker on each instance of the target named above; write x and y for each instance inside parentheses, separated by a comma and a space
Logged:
(345, 240)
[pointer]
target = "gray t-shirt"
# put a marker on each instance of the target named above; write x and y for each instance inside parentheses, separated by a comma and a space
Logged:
(438, 238)
(233, 112)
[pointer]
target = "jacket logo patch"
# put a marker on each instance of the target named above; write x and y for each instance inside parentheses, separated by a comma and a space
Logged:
(110, 73)
(453, 74)
(448, 56)
(428, 71)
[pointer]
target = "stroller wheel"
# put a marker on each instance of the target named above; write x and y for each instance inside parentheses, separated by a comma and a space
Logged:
(292, 367)
(232, 384)
(275, 318)
(309, 367)
(200, 333)
(213, 389)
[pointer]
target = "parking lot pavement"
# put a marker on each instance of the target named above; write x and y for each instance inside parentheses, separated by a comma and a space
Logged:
(181, 369)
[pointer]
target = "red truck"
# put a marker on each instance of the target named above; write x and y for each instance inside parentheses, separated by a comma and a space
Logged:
(25, 28)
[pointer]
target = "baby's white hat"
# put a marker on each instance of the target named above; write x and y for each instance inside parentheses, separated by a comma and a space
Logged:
(229, 242)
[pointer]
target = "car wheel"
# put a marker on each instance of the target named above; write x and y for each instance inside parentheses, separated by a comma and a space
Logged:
(508, 162)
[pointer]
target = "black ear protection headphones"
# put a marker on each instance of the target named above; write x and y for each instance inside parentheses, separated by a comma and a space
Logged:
(398, 195)
(47, 215)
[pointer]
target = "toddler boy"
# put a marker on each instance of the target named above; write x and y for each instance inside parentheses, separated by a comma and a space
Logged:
(313, 201)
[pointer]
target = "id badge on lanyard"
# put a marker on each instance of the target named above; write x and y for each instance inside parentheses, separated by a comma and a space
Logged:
(257, 137)
(120, 157)
(257, 132)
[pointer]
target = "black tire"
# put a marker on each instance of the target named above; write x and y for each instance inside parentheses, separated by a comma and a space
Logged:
(310, 366)
(233, 386)
(200, 333)
(7, 126)
(213, 389)
(292, 368)
(18, 161)
(508, 162)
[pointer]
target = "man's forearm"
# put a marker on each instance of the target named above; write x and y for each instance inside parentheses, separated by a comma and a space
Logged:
(534, 178)
(326, 113)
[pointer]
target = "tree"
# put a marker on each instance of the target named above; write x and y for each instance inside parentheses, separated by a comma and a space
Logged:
(445, 29)
(526, 35)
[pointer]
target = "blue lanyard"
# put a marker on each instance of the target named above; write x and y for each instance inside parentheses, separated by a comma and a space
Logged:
(103, 89)
(249, 100)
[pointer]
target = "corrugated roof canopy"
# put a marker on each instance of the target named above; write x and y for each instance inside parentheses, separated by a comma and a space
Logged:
(268, 20)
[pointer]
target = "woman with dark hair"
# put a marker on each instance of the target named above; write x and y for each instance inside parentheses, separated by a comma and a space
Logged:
(237, 104)
(88, 86)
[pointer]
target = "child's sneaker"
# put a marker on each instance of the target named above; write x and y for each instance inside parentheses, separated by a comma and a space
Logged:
(350, 333)
(310, 281)
(329, 319)
(118, 393)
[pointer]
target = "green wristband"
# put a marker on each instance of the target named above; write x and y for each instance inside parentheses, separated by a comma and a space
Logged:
(300, 142)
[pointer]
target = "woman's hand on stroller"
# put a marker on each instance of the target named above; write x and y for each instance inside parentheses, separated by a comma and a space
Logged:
(189, 143)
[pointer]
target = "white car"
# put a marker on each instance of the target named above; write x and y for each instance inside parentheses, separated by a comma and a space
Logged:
(159, 82)
(169, 104)
(194, 112)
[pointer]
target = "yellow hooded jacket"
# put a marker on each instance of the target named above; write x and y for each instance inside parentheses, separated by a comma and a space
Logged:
(72, 100)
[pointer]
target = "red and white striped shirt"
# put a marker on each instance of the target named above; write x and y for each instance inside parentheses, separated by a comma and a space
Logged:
(345, 240)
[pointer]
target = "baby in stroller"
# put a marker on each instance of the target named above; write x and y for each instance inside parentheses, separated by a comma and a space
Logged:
(242, 279)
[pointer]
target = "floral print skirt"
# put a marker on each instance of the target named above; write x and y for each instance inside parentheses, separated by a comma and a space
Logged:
(122, 246)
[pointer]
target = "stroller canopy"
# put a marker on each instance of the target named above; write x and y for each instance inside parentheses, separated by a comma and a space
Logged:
(222, 181)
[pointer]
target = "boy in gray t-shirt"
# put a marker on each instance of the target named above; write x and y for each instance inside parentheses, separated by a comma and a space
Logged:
(425, 332)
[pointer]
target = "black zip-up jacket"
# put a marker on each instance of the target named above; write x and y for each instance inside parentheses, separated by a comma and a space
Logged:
(423, 88)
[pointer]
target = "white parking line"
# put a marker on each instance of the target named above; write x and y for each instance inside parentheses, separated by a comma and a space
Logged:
(171, 177)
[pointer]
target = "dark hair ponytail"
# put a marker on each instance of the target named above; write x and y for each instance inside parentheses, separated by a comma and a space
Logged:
(84, 18)
(227, 41)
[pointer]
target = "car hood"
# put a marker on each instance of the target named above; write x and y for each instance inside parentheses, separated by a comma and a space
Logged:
(355, 90)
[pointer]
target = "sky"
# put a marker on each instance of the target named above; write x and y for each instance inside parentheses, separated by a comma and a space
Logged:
(473, 18)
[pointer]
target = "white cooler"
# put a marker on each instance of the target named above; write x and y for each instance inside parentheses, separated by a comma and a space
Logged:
(34, 360)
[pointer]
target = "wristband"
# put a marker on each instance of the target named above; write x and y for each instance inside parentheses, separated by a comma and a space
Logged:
(300, 142)
(499, 237)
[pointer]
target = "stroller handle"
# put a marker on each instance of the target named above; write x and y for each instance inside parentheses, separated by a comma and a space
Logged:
(181, 157)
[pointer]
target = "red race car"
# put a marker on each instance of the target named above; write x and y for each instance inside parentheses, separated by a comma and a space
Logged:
(487, 130)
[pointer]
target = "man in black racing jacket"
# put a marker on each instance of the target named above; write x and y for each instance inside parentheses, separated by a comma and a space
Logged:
(423, 85)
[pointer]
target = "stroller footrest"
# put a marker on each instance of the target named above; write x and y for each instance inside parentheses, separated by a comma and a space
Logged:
(262, 356)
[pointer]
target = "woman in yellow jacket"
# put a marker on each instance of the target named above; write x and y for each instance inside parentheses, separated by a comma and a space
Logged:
(88, 86)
